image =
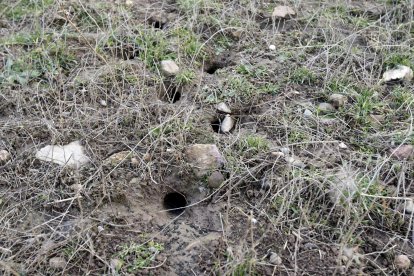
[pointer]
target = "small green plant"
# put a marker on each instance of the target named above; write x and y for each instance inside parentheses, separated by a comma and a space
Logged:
(366, 102)
(303, 75)
(185, 77)
(394, 59)
(136, 257)
(190, 43)
(24, 8)
(254, 143)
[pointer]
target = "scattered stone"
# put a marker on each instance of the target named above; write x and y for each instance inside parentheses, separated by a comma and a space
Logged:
(100, 228)
(296, 162)
(169, 68)
(401, 72)
(57, 263)
(134, 181)
(272, 47)
(204, 158)
(403, 152)
(71, 155)
(277, 154)
(408, 206)
(227, 124)
(376, 119)
(324, 108)
(77, 188)
(307, 113)
(215, 179)
(253, 220)
(129, 2)
(283, 12)
(351, 254)
(402, 262)
(223, 108)
(4, 156)
(338, 100)
(275, 259)
(310, 246)
(285, 151)
(103, 103)
(118, 157)
(342, 145)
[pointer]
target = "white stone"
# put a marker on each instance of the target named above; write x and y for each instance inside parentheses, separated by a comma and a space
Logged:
(71, 155)
(402, 262)
(275, 259)
(253, 220)
(223, 108)
(4, 156)
(307, 113)
(57, 263)
(342, 145)
(169, 68)
(227, 124)
(272, 47)
(283, 12)
(401, 72)
(295, 162)
(409, 206)
(103, 103)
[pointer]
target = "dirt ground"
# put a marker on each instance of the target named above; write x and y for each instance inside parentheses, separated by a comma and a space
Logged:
(313, 183)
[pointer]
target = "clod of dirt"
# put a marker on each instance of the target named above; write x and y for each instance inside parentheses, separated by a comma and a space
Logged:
(227, 124)
(351, 254)
(175, 203)
(275, 259)
(338, 100)
(401, 72)
(119, 157)
(215, 179)
(204, 158)
(71, 155)
(283, 12)
(223, 108)
(4, 156)
(325, 108)
(402, 262)
(169, 68)
(403, 152)
(57, 263)
(376, 119)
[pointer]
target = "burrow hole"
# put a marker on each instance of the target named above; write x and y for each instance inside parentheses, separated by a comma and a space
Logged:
(157, 24)
(174, 201)
(214, 66)
(170, 93)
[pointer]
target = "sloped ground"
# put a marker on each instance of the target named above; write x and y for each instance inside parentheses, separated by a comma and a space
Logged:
(308, 190)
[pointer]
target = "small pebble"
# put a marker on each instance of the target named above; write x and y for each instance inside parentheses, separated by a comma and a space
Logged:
(272, 47)
(307, 113)
(57, 263)
(4, 156)
(342, 145)
(223, 108)
(169, 68)
(275, 259)
(215, 179)
(325, 108)
(402, 262)
(338, 100)
(103, 103)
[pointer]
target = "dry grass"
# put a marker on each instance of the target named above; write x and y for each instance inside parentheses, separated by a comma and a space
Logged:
(90, 72)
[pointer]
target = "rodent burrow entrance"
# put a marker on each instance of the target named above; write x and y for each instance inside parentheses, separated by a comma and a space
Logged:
(175, 203)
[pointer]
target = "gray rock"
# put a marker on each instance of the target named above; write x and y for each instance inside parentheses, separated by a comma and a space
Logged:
(408, 206)
(4, 156)
(57, 263)
(403, 152)
(204, 158)
(283, 12)
(307, 113)
(401, 72)
(325, 108)
(215, 179)
(223, 108)
(275, 259)
(338, 100)
(227, 124)
(169, 68)
(402, 262)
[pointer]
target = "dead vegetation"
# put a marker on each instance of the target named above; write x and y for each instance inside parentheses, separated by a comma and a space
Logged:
(310, 183)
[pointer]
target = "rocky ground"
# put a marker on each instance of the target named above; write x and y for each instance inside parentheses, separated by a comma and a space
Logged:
(206, 137)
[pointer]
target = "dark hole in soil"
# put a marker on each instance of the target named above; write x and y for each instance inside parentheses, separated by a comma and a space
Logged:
(170, 92)
(213, 67)
(157, 24)
(175, 200)
(215, 125)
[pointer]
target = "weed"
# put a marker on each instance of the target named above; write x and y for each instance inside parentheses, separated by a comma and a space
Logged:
(186, 76)
(24, 8)
(254, 143)
(136, 257)
(303, 75)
